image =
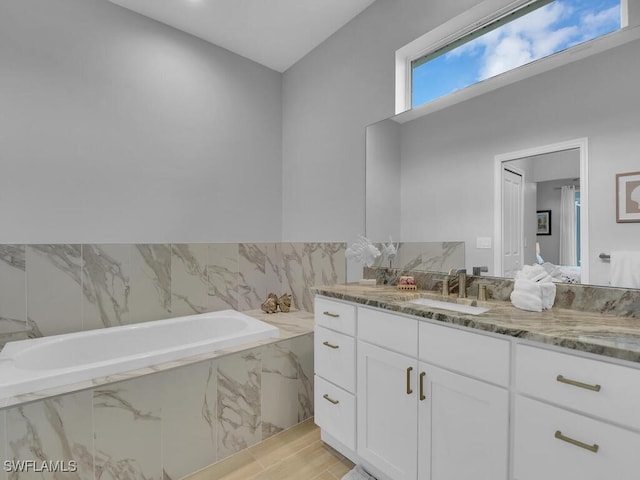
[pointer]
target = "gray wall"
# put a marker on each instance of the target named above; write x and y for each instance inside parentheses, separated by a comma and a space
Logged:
(329, 97)
(383, 181)
(549, 199)
(116, 128)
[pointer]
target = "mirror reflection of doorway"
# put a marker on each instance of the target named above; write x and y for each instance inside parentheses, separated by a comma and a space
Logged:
(551, 182)
(513, 208)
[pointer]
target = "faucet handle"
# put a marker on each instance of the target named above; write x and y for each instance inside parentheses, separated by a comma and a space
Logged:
(482, 292)
(477, 271)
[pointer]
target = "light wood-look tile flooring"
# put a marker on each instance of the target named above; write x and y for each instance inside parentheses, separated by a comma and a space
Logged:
(294, 454)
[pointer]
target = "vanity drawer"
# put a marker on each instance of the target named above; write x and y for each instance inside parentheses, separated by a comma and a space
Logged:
(335, 315)
(388, 330)
(605, 390)
(335, 412)
(540, 454)
(335, 357)
(469, 353)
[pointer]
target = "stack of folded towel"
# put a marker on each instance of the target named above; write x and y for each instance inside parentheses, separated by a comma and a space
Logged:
(533, 290)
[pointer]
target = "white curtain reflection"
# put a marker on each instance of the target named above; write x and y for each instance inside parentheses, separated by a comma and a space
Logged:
(568, 245)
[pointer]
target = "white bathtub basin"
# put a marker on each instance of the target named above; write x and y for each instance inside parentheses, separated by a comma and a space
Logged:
(455, 307)
(31, 365)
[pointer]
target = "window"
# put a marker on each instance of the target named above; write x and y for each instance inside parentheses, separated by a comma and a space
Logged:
(532, 31)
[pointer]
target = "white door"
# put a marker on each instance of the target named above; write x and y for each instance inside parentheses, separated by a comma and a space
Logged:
(512, 226)
(463, 427)
(387, 411)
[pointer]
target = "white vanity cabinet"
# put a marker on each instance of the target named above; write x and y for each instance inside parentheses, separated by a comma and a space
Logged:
(417, 420)
(335, 365)
(387, 400)
(414, 399)
(464, 405)
(574, 417)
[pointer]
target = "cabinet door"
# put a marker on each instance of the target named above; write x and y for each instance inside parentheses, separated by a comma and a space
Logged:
(463, 427)
(387, 414)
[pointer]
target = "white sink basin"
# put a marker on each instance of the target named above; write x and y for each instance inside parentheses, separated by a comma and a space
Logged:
(427, 302)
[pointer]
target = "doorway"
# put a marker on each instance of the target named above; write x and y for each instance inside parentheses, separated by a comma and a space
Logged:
(547, 168)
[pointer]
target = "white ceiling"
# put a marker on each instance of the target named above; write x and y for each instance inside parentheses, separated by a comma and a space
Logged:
(275, 33)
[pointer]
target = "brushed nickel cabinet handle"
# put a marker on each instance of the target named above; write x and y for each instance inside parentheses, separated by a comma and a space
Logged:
(422, 395)
(409, 391)
(592, 448)
(330, 345)
(329, 314)
(593, 388)
(329, 399)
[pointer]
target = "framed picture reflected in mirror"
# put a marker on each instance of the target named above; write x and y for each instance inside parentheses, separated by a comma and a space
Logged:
(544, 222)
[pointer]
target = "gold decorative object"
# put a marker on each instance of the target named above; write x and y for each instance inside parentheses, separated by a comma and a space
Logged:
(270, 305)
(285, 302)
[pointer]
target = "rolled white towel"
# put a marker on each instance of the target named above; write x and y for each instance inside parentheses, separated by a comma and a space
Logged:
(548, 292)
(527, 295)
(535, 273)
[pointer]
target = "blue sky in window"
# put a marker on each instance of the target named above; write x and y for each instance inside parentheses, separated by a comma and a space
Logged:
(550, 29)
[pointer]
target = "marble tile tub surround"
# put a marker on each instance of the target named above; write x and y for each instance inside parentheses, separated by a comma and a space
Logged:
(47, 289)
(172, 422)
(620, 302)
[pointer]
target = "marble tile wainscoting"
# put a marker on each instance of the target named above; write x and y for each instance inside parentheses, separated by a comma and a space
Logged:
(168, 424)
(47, 289)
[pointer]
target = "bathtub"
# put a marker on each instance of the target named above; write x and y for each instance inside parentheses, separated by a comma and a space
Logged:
(31, 365)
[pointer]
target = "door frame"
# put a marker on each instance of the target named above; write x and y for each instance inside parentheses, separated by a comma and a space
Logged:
(521, 173)
(582, 145)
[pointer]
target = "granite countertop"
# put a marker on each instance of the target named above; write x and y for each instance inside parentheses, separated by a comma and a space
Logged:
(608, 335)
(290, 325)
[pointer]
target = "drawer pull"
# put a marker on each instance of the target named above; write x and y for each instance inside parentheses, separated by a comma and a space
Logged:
(409, 391)
(593, 388)
(330, 345)
(329, 314)
(592, 448)
(329, 399)
(422, 395)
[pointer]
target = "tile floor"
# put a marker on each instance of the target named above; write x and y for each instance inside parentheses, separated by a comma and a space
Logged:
(296, 453)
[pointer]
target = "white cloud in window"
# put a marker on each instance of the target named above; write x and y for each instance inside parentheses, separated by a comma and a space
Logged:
(595, 23)
(509, 53)
(534, 36)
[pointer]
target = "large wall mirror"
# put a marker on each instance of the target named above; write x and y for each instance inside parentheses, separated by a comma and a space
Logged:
(437, 178)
